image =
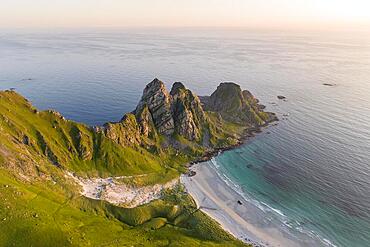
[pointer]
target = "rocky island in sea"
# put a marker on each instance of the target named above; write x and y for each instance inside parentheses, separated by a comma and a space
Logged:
(67, 184)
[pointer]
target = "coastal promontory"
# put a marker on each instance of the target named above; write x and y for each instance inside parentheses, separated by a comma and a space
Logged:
(68, 184)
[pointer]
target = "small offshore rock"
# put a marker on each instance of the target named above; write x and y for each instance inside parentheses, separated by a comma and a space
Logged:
(329, 84)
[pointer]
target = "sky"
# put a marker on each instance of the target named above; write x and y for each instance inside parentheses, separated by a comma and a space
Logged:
(190, 13)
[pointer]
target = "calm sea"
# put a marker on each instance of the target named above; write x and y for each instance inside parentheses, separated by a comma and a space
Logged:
(310, 173)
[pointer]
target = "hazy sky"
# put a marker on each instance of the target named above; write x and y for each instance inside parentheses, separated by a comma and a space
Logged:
(244, 13)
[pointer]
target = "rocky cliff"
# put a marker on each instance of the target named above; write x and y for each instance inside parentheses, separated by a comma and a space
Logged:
(40, 150)
(205, 122)
(163, 125)
(42, 154)
(158, 101)
(188, 114)
(178, 112)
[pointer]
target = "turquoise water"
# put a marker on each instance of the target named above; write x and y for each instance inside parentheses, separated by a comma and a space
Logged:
(313, 168)
(289, 193)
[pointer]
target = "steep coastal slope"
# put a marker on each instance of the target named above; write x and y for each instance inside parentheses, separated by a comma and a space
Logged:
(236, 105)
(42, 204)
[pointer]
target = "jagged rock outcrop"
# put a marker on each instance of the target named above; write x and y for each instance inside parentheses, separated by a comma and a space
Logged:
(164, 123)
(158, 100)
(126, 132)
(235, 105)
(180, 112)
(187, 112)
(145, 121)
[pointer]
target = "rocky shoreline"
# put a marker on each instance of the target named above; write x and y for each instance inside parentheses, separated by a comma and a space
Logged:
(248, 133)
(181, 120)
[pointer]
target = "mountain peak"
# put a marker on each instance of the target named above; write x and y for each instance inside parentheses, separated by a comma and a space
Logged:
(176, 87)
(229, 84)
(158, 100)
(235, 106)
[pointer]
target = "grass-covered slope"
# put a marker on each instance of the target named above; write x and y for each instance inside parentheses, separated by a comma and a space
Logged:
(40, 206)
(45, 214)
(34, 142)
(237, 106)
(45, 139)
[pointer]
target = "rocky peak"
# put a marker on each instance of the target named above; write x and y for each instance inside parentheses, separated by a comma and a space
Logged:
(235, 105)
(227, 97)
(176, 88)
(154, 86)
(187, 112)
(179, 111)
(158, 100)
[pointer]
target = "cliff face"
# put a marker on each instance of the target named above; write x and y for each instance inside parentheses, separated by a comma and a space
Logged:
(162, 121)
(187, 112)
(158, 101)
(126, 132)
(146, 123)
(181, 113)
(178, 112)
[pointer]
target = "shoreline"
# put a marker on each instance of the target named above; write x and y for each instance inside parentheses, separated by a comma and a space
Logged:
(192, 171)
(235, 215)
(248, 133)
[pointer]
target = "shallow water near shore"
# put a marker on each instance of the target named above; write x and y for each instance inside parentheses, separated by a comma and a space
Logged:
(310, 173)
(304, 197)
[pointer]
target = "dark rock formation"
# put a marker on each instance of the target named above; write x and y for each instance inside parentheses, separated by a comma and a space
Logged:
(158, 101)
(329, 84)
(187, 112)
(180, 113)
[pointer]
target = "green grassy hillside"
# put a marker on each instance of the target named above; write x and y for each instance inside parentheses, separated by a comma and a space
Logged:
(39, 206)
(45, 139)
(46, 214)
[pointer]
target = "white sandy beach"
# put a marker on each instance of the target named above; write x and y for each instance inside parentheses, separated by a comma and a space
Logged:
(118, 193)
(220, 202)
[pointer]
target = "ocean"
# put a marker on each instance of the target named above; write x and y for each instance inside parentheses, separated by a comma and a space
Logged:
(310, 173)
